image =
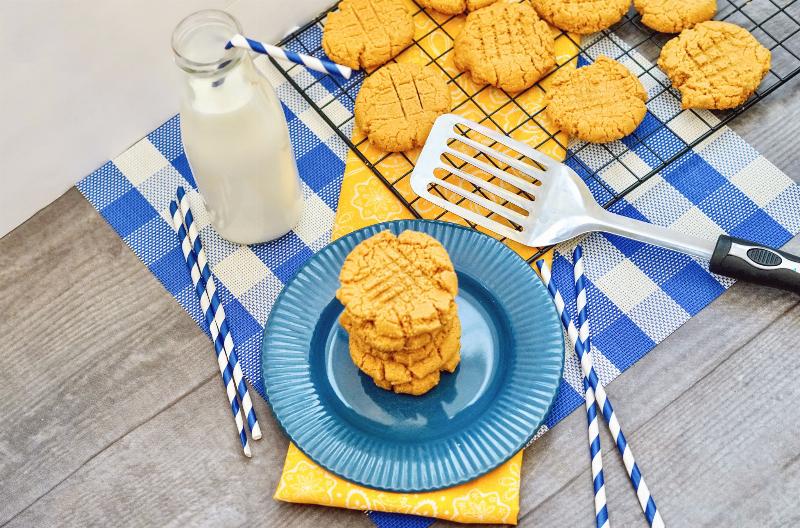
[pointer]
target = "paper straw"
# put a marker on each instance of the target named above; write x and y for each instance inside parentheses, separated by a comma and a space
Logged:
(224, 368)
(646, 501)
(312, 63)
(596, 455)
(215, 308)
(598, 480)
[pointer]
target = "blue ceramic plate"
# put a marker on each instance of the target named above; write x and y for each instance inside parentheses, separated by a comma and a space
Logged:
(512, 356)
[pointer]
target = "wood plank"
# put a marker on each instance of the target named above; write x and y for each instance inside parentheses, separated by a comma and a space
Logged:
(95, 347)
(182, 467)
(114, 403)
(724, 453)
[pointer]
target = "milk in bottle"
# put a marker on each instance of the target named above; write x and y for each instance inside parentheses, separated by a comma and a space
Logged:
(234, 134)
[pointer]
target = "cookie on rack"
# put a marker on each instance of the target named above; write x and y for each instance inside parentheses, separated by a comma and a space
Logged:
(598, 103)
(582, 16)
(673, 16)
(397, 105)
(367, 33)
(455, 7)
(715, 65)
(505, 45)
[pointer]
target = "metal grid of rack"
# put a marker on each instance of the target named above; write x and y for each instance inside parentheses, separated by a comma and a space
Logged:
(775, 23)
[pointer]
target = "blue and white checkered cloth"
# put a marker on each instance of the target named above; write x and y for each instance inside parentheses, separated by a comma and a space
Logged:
(638, 294)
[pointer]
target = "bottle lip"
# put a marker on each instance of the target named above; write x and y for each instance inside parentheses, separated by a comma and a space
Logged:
(194, 22)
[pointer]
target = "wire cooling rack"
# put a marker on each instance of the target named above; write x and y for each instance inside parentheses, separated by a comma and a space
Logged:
(775, 23)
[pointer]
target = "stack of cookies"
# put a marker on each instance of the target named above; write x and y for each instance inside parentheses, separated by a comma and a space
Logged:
(400, 313)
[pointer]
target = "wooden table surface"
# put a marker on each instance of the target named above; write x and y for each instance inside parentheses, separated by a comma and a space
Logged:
(112, 412)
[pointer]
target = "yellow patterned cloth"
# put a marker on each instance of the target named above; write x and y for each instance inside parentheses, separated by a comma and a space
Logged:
(365, 200)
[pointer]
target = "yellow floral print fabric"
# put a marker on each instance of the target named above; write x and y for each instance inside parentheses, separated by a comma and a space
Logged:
(365, 200)
(492, 498)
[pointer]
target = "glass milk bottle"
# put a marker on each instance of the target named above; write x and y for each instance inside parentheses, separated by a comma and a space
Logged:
(234, 133)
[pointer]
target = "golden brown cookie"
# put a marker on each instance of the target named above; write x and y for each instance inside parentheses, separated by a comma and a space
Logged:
(598, 103)
(582, 16)
(440, 350)
(405, 285)
(455, 7)
(505, 45)
(416, 378)
(418, 387)
(397, 105)
(715, 65)
(367, 33)
(673, 16)
(394, 340)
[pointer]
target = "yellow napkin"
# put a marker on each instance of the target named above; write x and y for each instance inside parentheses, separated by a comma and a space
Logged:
(365, 200)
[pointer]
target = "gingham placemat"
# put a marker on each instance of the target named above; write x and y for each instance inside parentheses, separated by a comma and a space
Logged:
(638, 294)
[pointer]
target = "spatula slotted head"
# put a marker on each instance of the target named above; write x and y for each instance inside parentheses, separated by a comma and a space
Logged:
(492, 180)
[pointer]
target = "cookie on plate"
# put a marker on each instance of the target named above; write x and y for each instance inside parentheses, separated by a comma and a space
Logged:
(598, 103)
(418, 377)
(673, 16)
(582, 16)
(403, 285)
(715, 65)
(505, 45)
(367, 33)
(395, 290)
(397, 105)
(392, 339)
(455, 7)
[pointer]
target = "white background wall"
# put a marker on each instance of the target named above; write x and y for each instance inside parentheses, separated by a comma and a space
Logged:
(84, 79)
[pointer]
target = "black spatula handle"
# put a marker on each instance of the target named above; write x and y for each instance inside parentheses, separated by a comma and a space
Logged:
(752, 262)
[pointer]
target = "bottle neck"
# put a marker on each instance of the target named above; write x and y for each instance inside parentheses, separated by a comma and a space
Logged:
(217, 79)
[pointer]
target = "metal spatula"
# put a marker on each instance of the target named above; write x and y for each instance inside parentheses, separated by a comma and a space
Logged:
(539, 201)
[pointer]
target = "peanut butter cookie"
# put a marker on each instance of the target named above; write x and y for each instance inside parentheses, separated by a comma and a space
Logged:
(715, 65)
(400, 313)
(505, 45)
(405, 285)
(367, 33)
(394, 340)
(397, 105)
(673, 16)
(582, 16)
(598, 103)
(415, 378)
(455, 7)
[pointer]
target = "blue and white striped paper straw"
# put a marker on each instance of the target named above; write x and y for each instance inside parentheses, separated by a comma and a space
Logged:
(215, 310)
(595, 452)
(646, 501)
(312, 63)
(224, 368)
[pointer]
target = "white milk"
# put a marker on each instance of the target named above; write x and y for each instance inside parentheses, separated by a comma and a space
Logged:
(237, 142)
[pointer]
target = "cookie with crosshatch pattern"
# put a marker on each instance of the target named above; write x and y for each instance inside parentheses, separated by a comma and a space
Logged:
(397, 105)
(455, 7)
(367, 33)
(396, 290)
(399, 286)
(673, 16)
(505, 45)
(598, 103)
(582, 16)
(715, 65)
